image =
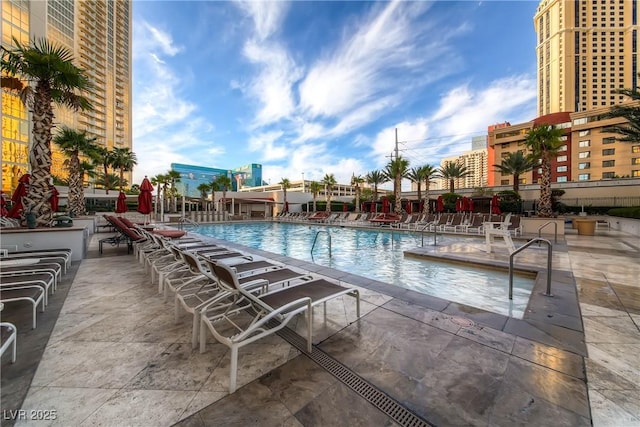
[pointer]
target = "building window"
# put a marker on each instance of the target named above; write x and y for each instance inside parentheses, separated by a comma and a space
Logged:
(585, 165)
(584, 177)
(635, 174)
(504, 182)
(609, 140)
(584, 132)
(562, 148)
(635, 149)
(561, 179)
(585, 143)
(608, 163)
(561, 158)
(561, 169)
(635, 161)
(608, 175)
(608, 151)
(584, 154)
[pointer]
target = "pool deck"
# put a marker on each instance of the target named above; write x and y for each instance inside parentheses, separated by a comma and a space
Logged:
(107, 351)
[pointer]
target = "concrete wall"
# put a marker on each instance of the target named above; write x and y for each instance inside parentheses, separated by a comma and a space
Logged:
(23, 239)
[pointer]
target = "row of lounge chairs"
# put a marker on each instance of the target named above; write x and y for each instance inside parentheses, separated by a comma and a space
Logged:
(29, 276)
(230, 295)
(442, 222)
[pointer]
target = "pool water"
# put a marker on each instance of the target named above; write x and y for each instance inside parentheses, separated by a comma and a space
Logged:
(379, 255)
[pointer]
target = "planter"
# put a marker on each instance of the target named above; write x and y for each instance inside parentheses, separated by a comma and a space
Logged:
(586, 227)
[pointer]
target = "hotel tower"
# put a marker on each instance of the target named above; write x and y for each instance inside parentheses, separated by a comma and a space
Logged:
(98, 32)
(585, 50)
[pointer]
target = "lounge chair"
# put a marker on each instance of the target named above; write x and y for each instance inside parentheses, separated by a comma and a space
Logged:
(61, 256)
(8, 334)
(13, 290)
(266, 313)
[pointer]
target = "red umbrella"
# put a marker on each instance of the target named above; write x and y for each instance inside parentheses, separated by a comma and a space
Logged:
(145, 198)
(3, 204)
(470, 204)
(121, 204)
(495, 205)
(385, 205)
(372, 207)
(459, 205)
(408, 207)
(344, 207)
(440, 204)
(18, 194)
(465, 204)
(54, 198)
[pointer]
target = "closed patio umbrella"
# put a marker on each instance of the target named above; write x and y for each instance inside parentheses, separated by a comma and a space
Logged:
(145, 198)
(18, 194)
(385, 205)
(372, 207)
(121, 203)
(408, 207)
(459, 206)
(440, 204)
(55, 198)
(344, 207)
(470, 204)
(495, 205)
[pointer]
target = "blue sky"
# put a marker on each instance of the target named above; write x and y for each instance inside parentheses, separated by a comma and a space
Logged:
(319, 87)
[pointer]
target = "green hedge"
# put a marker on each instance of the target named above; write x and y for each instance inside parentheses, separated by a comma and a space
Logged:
(625, 212)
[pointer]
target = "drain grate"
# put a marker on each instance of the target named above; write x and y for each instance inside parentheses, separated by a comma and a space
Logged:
(391, 407)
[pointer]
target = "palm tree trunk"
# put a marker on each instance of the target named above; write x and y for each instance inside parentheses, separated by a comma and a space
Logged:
(544, 208)
(396, 192)
(516, 182)
(426, 199)
(39, 191)
(75, 185)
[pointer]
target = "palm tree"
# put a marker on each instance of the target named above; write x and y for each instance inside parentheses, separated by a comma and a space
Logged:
(88, 170)
(214, 186)
(429, 173)
(124, 160)
(544, 142)
(50, 78)
(328, 182)
(315, 187)
(395, 170)
(516, 164)
(285, 184)
(224, 183)
(173, 177)
(416, 175)
(105, 159)
(74, 144)
(203, 188)
(111, 181)
(159, 182)
(630, 131)
(453, 171)
(375, 178)
(356, 180)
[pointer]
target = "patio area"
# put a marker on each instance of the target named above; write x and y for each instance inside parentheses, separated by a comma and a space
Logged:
(115, 357)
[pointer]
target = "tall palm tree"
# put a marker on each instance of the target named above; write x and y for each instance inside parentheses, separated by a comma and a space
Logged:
(395, 170)
(111, 181)
(357, 181)
(104, 158)
(315, 187)
(159, 182)
(87, 170)
(51, 77)
(203, 188)
(124, 160)
(214, 186)
(73, 144)
(375, 178)
(416, 175)
(516, 164)
(429, 173)
(452, 171)
(630, 132)
(173, 177)
(544, 142)
(224, 183)
(285, 184)
(328, 182)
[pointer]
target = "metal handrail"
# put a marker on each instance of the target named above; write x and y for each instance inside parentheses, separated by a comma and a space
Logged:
(523, 247)
(183, 221)
(555, 233)
(316, 238)
(435, 234)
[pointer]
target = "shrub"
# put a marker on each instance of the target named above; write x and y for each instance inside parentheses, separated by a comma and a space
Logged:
(625, 212)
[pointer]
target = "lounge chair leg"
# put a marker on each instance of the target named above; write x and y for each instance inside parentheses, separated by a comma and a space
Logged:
(234, 369)
(34, 316)
(196, 330)
(176, 311)
(160, 282)
(309, 329)
(203, 336)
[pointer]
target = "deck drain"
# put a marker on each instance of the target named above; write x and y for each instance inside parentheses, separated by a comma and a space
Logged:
(461, 321)
(388, 405)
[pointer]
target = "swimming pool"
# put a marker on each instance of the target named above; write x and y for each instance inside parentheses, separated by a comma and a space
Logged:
(379, 255)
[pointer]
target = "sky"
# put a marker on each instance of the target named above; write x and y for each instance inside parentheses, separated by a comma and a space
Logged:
(310, 88)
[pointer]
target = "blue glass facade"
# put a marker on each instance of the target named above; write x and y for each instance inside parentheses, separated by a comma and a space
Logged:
(192, 176)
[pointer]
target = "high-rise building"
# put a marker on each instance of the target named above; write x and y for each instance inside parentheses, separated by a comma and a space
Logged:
(98, 32)
(585, 50)
(475, 161)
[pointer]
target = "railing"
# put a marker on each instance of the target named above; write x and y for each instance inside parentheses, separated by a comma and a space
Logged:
(435, 234)
(316, 238)
(555, 230)
(186, 221)
(520, 249)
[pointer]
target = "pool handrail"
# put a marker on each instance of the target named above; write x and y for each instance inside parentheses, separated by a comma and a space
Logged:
(549, 257)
